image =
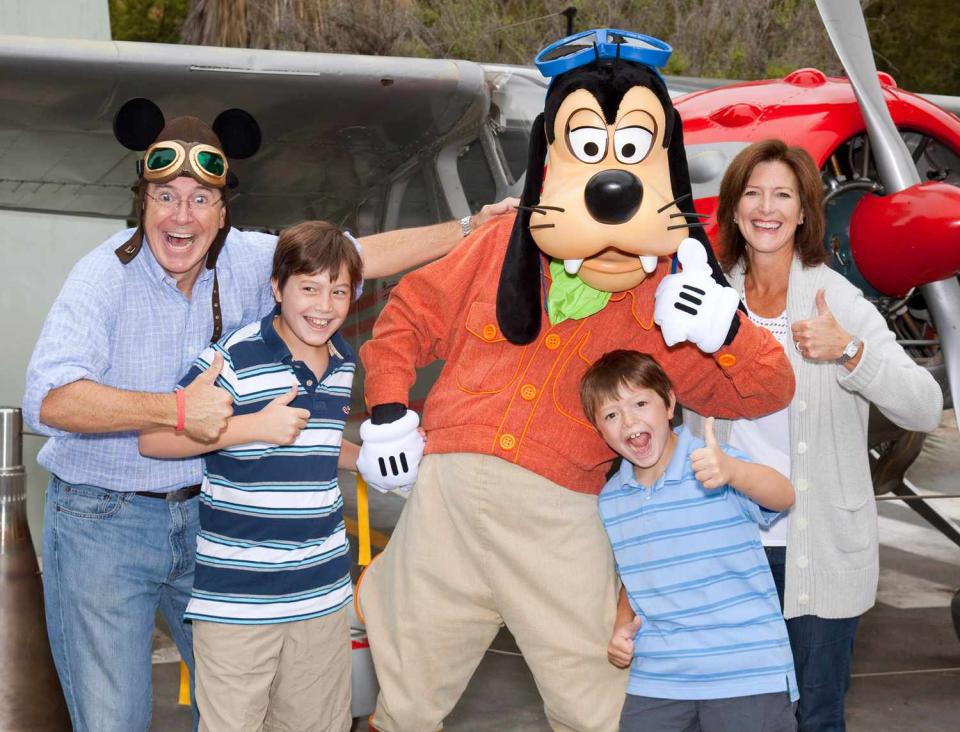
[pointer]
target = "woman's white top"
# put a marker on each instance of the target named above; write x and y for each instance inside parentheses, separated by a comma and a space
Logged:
(767, 439)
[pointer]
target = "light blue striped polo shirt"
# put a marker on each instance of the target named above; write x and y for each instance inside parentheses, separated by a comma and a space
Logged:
(696, 574)
(272, 545)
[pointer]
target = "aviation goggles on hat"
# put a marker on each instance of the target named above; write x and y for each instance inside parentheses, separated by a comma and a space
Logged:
(164, 161)
(603, 44)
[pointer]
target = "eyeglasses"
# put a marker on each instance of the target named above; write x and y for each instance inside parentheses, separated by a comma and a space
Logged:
(165, 160)
(589, 46)
(195, 202)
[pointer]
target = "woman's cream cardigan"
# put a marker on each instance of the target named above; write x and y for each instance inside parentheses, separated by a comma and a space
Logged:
(832, 553)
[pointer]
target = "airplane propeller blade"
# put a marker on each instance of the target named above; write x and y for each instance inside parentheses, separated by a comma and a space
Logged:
(847, 29)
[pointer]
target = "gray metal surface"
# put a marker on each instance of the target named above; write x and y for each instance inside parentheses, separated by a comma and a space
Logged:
(30, 696)
(11, 440)
(334, 126)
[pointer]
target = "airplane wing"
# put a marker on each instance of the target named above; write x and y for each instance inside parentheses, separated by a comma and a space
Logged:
(335, 127)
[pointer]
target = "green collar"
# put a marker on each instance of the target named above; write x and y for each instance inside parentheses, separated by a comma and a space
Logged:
(570, 298)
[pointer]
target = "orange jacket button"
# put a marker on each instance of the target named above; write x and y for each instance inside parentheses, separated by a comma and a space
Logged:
(727, 360)
(489, 332)
(552, 341)
(508, 441)
(528, 391)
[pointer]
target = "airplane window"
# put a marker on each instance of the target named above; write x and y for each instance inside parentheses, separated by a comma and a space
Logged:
(514, 144)
(516, 100)
(417, 208)
(475, 176)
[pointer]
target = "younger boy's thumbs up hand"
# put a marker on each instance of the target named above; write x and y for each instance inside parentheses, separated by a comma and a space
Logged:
(620, 648)
(281, 424)
(712, 467)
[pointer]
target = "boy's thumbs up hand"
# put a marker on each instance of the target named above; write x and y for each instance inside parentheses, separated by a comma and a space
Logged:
(281, 424)
(712, 467)
(620, 647)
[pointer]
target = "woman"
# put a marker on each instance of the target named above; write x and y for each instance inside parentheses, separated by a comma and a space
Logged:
(824, 553)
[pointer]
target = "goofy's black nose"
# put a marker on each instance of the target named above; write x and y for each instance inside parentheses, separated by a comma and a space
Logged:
(613, 196)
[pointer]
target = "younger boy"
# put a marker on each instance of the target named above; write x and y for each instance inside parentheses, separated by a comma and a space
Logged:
(272, 578)
(698, 621)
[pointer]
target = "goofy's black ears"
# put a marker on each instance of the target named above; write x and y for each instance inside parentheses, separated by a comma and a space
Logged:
(139, 123)
(518, 294)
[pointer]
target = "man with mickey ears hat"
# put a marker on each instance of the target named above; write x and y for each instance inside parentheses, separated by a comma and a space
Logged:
(502, 526)
(133, 314)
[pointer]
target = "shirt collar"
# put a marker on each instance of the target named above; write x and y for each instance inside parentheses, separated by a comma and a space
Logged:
(678, 469)
(281, 353)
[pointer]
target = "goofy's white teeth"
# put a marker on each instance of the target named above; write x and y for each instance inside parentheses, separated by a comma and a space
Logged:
(572, 266)
(648, 262)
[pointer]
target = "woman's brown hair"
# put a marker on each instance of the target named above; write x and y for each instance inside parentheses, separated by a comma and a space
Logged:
(808, 240)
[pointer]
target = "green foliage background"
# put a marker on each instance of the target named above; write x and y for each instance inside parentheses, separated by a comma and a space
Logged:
(917, 41)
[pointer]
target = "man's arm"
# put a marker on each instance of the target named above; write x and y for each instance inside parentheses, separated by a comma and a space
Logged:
(277, 424)
(391, 252)
(88, 407)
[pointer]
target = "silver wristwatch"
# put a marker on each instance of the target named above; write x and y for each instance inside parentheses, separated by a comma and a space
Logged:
(850, 350)
(465, 227)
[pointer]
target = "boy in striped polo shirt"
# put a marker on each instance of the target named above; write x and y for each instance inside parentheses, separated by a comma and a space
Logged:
(698, 620)
(272, 581)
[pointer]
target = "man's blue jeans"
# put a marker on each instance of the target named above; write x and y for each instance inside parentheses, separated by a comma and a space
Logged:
(822, 652)
(110, 560)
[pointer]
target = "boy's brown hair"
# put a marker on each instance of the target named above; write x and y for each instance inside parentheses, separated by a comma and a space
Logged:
(617, 370)
(315, 246)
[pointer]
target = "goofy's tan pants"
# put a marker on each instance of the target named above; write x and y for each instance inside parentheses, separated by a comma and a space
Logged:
(482, 542)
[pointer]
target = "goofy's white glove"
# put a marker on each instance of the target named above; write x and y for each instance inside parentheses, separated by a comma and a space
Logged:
(390, 454)
(691, 306)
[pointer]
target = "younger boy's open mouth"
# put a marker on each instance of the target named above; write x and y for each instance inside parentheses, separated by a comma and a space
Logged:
(639, 441)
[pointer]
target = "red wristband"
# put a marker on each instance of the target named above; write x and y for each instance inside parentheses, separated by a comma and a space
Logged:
(181, 410)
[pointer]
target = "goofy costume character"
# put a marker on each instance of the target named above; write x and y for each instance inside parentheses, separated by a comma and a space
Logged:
(501, 526)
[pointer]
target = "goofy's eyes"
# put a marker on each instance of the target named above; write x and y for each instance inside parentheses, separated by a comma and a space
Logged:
(588, 144)
(631, 144)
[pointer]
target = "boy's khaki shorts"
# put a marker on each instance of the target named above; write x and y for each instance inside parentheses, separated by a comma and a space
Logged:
(278, 677)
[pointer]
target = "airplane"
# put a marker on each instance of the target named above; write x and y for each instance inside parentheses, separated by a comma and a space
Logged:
(379, 143)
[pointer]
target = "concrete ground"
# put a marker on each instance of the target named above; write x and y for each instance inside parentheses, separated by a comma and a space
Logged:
(906, 666)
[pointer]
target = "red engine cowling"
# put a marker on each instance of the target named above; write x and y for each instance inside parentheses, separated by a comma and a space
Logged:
(908, 238)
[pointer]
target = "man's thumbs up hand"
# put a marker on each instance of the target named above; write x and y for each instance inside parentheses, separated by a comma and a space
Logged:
(206, 407)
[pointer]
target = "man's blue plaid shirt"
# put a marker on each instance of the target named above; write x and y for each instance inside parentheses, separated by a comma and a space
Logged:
(129, 327)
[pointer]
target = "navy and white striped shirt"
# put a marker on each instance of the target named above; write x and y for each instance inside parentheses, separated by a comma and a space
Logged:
(272, 545)
(697, 576)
